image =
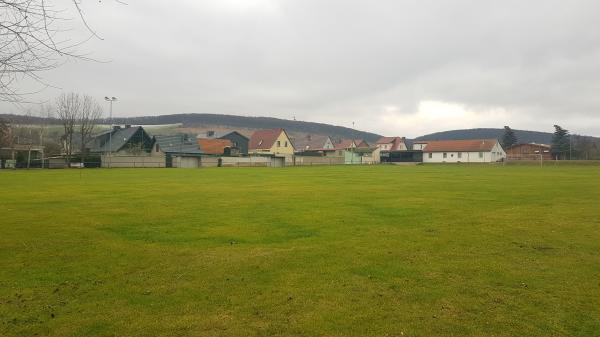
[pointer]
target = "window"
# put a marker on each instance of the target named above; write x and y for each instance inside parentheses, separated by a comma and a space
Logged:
(285, 144)
(452, 155)
(430, 155)
(460, 155)
(278, 144)
(445, 155)
(156, 148)
(480, 154)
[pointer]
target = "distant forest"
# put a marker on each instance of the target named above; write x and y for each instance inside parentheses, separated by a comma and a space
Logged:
(489, 133)
(229, 121)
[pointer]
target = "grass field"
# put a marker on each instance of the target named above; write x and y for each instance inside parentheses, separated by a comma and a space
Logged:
(329, 251)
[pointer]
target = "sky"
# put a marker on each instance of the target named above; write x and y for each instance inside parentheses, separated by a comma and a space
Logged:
(393, 67)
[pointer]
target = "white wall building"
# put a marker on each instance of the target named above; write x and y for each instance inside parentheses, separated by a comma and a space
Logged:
(463, 151)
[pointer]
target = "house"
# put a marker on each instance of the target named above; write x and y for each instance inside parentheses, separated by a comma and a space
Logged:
(215, 146)
(345, 144)
(531, 151)
(238, 141)
(126, 147)
(122, 141)
(133, 147)
(178, 150)
(274, 142)
(391, 144)
(355, 151)
(463, 151)
(312, 143)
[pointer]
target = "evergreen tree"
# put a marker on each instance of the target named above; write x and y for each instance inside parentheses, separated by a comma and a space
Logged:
(560, 142)
(509, 139)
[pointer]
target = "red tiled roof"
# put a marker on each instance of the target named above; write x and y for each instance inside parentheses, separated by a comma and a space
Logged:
(361, 143)
(344, 144)
(264, 139)
(213, 146)
(470, 145)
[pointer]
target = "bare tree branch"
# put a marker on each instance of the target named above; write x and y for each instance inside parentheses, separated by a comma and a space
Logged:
(32, 41)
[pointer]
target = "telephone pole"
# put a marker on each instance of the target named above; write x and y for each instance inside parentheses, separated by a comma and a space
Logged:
(110, 100)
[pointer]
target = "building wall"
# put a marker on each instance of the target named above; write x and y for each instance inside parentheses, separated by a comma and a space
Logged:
(328, 144)
(318, 160)
(127, 161)
(465, 157)
(186, 162)
(282, 149)
(245, 161)
(528, 152)
(372, 158)
(418, 146)
(351, 157)
(242, 142)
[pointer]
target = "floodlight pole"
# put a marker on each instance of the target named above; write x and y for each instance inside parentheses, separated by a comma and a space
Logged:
(110, 100)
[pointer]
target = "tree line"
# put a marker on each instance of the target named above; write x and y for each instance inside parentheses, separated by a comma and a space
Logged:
(563, 146)
(78, 116)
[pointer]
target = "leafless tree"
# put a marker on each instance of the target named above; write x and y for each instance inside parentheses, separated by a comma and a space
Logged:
(79, 115)
(4, 133)
(33, 39)
(88, 118)
(68, 107)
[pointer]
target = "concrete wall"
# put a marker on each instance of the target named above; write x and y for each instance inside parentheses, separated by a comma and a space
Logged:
(209, 161)
(186, 162)
(245, 161)
(372, 158)
(132, 161)
(318, 160)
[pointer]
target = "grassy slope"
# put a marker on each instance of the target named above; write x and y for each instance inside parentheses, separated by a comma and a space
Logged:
(331, 251)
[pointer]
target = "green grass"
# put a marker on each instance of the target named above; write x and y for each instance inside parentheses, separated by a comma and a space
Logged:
(313, 251)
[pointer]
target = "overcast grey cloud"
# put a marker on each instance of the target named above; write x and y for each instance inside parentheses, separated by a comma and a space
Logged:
(393, 67)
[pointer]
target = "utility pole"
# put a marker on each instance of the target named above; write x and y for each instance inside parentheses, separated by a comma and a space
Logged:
(110, 100)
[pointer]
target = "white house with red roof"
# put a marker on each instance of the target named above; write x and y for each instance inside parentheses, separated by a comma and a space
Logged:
(463, 151)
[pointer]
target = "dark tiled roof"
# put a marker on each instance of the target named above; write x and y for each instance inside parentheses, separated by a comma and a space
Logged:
(177, 144)
(314, 143)
(103, 142)
(231, 133)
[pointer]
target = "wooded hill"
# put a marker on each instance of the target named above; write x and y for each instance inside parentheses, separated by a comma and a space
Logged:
(523, 136)
(296, 127)
(228, 122)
